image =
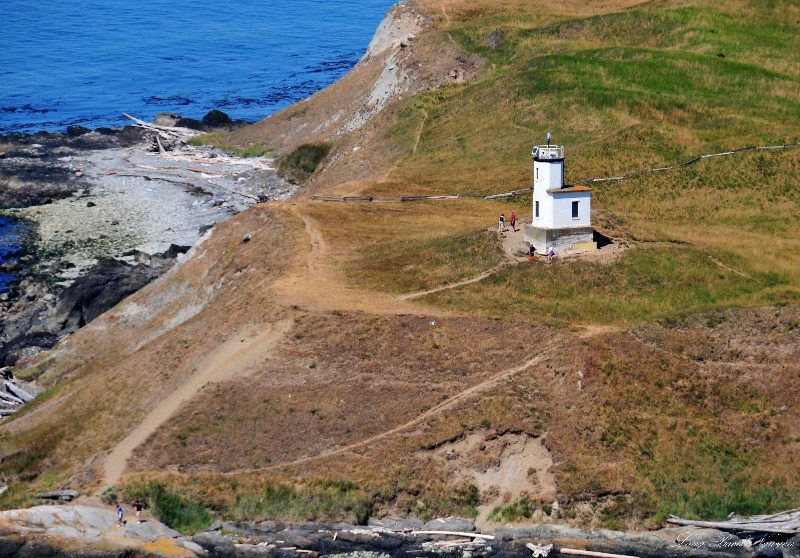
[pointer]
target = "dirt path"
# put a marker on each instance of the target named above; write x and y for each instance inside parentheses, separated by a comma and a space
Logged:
(444, 13)
(512, 240)
(718, 263)
(231, 359)
(321, 285)
(479, 277)
(445, 405)
(419, 131)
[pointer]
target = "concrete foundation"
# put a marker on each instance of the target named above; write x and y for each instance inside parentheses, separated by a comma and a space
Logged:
(582, 238)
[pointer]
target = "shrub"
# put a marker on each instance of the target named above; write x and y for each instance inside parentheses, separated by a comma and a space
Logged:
(175, 511)
(322, 501)
(300, 164)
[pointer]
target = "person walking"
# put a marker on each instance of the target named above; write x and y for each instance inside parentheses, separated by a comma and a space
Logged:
(501, 225)
(137, 506)
(513, 221)
(120, 513)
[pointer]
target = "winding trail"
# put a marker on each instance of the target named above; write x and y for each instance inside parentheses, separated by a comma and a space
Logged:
(718, 263)
(419, 131)
(511, 240)
(479, 277)
(445, 405)
(321, 285)
(233, 358)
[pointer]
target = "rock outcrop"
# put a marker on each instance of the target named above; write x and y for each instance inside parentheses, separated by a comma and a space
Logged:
(86, 531)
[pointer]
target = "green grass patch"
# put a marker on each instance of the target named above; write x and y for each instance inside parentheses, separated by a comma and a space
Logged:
(517, 511)
(16, 497)
(709, 478)
(644, 284)
(27, 456)
(173, 510)
(413, 265)
(445, 500)
(698, 502)
(322, 501)
(301, 163)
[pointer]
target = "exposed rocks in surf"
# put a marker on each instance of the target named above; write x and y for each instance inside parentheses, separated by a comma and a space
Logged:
(105, 216)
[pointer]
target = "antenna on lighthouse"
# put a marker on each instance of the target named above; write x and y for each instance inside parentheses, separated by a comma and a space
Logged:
(549, 137)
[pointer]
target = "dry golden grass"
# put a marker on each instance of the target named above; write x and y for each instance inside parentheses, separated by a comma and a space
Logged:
(320, 388)
(696, 415)
(674, 417)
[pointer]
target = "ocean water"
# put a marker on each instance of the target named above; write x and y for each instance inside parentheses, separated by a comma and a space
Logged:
(10, 239)
(64, 62)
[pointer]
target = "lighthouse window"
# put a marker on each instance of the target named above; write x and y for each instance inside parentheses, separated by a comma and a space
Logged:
(575, 210)
(537, 173)
(537, 210)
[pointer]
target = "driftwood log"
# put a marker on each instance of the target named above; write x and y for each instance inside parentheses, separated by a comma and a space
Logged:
(787, 523)
(7, 397)
(166, 138)
(455, 533)
(65, 495)
(539, 550)
(17, 391)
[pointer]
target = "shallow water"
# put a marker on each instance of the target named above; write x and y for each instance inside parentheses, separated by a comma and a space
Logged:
(86, 63)
(11, 234)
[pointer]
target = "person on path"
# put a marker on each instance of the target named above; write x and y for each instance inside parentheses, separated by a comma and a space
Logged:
(501, 225)
(513, 221)
(137, 506)
(120, 520)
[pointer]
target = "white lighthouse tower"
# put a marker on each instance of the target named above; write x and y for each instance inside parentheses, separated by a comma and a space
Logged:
(561, 216)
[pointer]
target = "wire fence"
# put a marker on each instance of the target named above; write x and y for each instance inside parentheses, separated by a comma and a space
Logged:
(592, 180)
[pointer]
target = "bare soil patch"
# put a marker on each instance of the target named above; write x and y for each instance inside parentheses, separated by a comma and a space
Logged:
(504, 467)
(236, 357)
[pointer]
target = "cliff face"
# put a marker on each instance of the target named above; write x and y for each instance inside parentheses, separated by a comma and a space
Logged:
(354, 113)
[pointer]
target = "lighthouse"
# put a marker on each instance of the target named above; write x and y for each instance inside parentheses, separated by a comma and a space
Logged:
(562, 216)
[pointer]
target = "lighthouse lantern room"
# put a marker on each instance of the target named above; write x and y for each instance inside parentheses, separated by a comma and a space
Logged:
(561, 215)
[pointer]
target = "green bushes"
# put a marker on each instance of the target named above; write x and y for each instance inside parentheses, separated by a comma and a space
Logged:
(175, 511)
(300, 164)
(519, 510)
(323, 501)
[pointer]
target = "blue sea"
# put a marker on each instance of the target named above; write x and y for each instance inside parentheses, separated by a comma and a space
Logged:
(10, 239)
(64, 62)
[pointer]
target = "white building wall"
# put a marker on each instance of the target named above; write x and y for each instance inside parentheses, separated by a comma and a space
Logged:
(549, 175)
(562, 210)
(546, 176)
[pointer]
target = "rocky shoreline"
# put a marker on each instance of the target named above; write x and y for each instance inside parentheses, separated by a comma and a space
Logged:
(105, 212)
(83, 531)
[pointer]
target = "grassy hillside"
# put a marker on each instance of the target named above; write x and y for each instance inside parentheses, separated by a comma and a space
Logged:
(662, 380)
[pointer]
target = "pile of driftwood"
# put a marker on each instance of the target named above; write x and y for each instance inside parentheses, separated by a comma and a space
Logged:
(467, 541)
(165, 138)
(786, 523)
(12, 396)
